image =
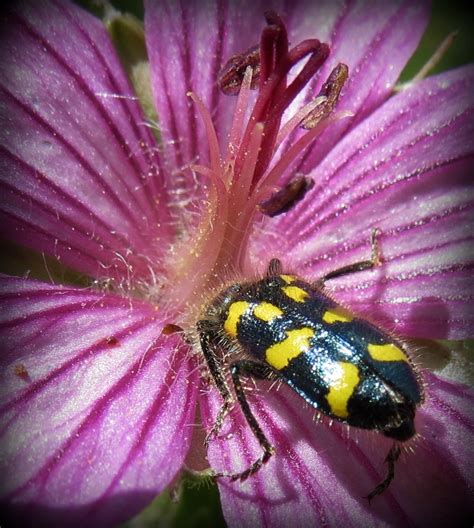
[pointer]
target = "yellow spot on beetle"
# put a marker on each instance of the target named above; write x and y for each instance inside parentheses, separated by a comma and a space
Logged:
(387, 352)
(337, 315)
(236, 310)
(287, 278)
(267, 311)
(344, 380)
(295, 293)
(295, 343)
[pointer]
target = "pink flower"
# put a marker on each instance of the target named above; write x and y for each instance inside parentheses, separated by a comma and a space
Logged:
(100, 408)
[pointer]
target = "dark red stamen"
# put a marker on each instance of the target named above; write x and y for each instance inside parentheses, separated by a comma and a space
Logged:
(273, 45)
(276, 60)
(319, 53)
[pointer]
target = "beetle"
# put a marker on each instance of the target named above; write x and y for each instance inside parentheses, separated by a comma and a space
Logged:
(283, 327)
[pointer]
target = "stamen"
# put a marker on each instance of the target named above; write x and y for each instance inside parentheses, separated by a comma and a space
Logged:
(214, 151)
(332, 90)
(292, 123)
(267, 53)
(242, 229)
(236, 130)
(270, 114)
(243, 180)
(202, 252)
(273, 45)
(319, 53)
(240, 197)
(274, 175)
(267, 94)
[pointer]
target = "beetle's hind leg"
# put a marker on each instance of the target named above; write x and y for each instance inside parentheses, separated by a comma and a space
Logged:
(391, 459)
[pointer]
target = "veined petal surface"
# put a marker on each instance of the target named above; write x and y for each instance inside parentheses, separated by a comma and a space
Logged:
(407, 171)
(375, 41)
(96, 407)
(79, 170)
(321, 473)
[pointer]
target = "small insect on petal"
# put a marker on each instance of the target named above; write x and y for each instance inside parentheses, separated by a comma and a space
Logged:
(21, 372)
(232, 74)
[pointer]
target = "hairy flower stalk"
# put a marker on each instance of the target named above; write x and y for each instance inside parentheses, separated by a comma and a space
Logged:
(244, 177)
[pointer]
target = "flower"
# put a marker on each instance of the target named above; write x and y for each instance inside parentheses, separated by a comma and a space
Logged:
(99, 400)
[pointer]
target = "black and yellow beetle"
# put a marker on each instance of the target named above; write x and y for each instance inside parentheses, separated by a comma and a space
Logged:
(282, 327)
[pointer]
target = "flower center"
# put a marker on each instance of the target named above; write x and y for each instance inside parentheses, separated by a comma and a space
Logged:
(244, 181)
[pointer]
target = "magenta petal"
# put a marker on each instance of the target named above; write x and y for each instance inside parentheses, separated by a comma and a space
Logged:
(78, 167)
(375, 41)
(320, 474)
(405, 170)
(96, 407)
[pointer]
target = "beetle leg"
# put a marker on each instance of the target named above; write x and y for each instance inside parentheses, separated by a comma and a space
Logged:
(391, 459)
(375, 260)
(208, 350)
(256, 370)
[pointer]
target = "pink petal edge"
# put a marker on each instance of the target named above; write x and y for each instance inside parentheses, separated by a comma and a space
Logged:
(375, 42)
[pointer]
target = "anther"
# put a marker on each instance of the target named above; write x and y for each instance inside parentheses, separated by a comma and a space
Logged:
(331, 89)
(232, 74)
(289, 195)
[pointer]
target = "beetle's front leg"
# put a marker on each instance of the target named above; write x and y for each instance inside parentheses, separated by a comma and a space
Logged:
(375, 260)
(209, 351)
